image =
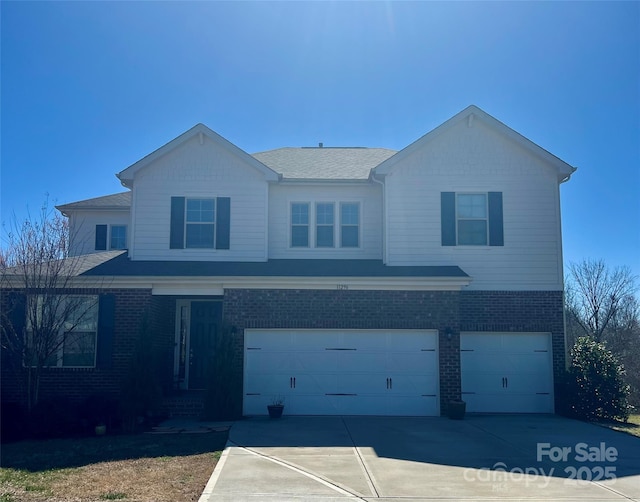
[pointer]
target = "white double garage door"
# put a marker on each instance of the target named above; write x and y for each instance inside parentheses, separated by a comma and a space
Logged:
(375, 372)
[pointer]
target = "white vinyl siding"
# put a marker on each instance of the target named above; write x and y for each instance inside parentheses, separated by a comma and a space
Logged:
(364, 229)
(478, 160)
(82, 229)
(199, 171)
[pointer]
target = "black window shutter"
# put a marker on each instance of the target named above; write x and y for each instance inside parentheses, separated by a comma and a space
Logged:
(17, 317)
(18, 313)
(106, 324)
(223, 222)
(101, 237)
(496, 232)
(176, 234)
(448, 218)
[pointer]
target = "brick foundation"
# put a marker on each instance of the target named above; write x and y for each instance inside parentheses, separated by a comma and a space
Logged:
(449, 312)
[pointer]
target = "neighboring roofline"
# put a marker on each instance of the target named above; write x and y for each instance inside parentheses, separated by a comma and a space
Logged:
(126, 175)
(472, 112)
(86, 205)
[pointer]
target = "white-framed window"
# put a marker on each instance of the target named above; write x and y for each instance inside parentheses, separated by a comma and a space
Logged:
(325, 224)
(300, 224)
(200, 223)
(118, 237)
(349, 224)
(472, 219)
(66, 330)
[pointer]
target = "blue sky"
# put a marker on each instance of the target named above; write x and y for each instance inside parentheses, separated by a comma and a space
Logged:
(88, 88)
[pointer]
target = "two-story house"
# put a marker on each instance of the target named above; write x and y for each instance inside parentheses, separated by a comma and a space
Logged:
(352, 281)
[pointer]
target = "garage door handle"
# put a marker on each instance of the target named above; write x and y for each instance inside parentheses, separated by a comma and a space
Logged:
(292, 382)
(506, 382)
(391, 383)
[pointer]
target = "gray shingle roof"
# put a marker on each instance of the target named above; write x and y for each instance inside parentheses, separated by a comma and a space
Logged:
(121, 265)
(116, 201)
(326, 163)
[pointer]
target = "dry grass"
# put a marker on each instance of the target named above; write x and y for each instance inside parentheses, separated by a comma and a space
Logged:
(632, 426)
(142, 468)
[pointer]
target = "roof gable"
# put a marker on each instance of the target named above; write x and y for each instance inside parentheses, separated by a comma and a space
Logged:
(470, 114)
(127, 175)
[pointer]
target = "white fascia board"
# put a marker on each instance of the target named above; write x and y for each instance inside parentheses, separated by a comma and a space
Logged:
(217, 285)
(563, 169)
(127, 175)
(324, 181)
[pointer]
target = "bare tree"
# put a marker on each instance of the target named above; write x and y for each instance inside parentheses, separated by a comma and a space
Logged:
(41, 314)
(602, 303)
(596, 296)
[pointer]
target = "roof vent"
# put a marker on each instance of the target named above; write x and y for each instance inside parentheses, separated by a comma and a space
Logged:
(320, 145)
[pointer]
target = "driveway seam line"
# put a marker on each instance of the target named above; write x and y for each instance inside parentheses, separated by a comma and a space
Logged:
(368, 475)
(328, 483)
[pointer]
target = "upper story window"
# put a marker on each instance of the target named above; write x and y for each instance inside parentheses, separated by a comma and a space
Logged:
(471, 219)
(324, 224)
(299, 224)
(118, 237)
(349, 224)
(471, 214)
(200, 223)
(113, 235)
(327, 229)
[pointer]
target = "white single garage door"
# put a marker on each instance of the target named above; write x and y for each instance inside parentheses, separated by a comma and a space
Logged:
(342, 372)
(507, 372)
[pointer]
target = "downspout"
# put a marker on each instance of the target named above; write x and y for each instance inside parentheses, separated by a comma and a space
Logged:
(384, 219)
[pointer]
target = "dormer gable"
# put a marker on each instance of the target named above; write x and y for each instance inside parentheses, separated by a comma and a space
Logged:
(468, 116)
(199, 131)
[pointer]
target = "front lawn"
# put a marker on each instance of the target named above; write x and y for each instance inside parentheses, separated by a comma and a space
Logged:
(631, 427)
(143, 467)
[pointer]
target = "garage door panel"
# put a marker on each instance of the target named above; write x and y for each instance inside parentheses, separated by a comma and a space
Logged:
(411, 341)
(485, 342)
(415, 385)
(478, 382)
(507, 372)
(312, 340)
(412, 362)
(272, 384)
(322, 360)
(268, 341)
(361, 383)
(533, 363)
(524, 342)
(350, 359)
(314, 380)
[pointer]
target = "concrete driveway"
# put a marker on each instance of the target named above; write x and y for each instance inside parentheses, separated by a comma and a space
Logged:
(528, 457)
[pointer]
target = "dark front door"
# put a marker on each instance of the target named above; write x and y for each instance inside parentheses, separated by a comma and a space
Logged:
(205, 322)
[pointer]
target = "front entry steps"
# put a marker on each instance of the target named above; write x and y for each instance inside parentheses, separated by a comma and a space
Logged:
(184, 404)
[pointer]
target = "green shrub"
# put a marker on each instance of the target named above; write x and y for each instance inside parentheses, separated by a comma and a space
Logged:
(595, 388)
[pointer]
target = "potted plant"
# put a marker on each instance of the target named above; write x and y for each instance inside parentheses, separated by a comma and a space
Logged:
(276, 407)
(457, 408)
